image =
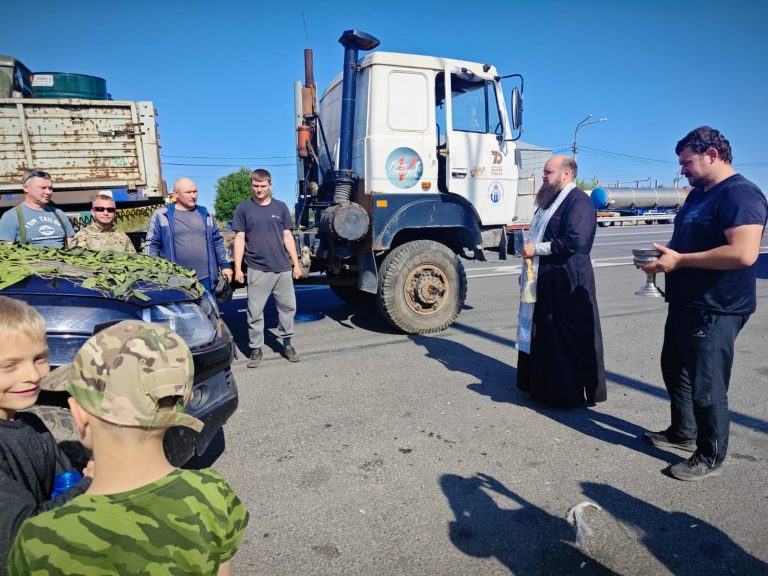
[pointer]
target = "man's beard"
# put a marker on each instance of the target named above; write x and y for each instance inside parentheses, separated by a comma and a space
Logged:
(546, 195)
(698, 182)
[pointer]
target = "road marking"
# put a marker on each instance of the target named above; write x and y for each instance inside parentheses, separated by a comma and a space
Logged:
(513, 270)
(634, 233)
(609, 244)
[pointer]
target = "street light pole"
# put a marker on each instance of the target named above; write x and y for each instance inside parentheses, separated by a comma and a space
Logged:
(576, 132)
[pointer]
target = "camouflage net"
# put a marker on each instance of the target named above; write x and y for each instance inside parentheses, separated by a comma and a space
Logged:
(113, 274)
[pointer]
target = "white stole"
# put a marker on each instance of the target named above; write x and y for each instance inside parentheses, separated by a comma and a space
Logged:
(536, 233)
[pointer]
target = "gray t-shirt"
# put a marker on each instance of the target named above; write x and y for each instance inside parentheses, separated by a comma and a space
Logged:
(42, 227)
(189, 241)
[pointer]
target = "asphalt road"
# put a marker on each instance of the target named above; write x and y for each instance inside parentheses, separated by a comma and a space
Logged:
(387, 454)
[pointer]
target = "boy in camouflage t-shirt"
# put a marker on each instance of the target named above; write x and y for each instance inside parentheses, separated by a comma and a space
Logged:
(129, 383)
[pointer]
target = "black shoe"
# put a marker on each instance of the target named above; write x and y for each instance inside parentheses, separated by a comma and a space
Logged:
(693, 470)
(289, 353)
(256, 358)
(662, 440)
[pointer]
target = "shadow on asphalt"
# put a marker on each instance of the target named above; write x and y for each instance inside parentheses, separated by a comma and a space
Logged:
(686, 545)
(496, 380)
(528, 540)
(524, 538)
(312, 303)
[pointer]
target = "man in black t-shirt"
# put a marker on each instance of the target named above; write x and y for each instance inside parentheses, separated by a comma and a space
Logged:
(710, 266)
(264, 239)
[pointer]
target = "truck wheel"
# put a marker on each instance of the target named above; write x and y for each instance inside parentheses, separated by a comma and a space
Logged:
(351, 294)
(422, 287)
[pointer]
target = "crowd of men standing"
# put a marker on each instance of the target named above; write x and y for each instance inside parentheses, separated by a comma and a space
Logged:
(710, 267)
(177, 231)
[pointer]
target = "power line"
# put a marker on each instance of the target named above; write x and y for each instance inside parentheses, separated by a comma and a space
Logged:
(229, 157)
(642, 159)
(221, 165)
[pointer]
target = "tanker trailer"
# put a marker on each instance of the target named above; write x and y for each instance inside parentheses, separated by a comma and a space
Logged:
(637, 201)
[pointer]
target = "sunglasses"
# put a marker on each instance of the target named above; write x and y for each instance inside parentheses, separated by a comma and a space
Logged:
(36, 174)
(104, 209)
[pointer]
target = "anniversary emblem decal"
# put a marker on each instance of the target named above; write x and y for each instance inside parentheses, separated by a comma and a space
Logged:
(404, 167)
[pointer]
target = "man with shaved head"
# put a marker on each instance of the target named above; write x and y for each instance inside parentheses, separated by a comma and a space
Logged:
(559, 341)
(185, 233)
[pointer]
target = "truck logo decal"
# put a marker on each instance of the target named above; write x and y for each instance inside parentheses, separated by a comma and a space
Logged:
(404, 167)
(495, 193)
(496, 157)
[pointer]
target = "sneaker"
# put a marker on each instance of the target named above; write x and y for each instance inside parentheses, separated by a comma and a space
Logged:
(662, 440)
(289, 353)
(256, 358)
(693, 469)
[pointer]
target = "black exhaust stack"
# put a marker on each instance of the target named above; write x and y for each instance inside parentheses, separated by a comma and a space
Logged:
(353, 41)
(346, 220)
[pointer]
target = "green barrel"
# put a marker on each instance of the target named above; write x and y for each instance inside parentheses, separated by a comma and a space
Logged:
(66, 85)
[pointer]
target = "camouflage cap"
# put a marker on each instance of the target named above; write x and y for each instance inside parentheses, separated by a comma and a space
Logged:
(121, 374)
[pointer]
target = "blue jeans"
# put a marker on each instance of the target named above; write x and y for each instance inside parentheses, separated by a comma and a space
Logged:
(696, 361)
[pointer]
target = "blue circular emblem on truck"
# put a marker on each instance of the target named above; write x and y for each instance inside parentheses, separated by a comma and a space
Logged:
(495, 192)
(404, 167)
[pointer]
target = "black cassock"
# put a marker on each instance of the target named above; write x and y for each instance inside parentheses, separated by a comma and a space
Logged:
(565, 366)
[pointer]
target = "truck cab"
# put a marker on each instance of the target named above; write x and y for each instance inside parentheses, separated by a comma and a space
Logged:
(429, 125)
(428, 158)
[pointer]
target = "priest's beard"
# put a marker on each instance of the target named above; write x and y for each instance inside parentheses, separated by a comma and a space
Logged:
(546, 195)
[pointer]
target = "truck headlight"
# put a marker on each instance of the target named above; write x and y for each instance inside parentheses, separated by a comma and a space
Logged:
(187, 319)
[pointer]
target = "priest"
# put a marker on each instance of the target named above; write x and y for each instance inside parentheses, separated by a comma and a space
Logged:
(560, 344)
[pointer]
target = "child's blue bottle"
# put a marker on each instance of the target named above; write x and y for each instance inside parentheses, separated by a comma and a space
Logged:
(64, 481)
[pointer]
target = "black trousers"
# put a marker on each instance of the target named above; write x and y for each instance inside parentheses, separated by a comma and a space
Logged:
(696, 361)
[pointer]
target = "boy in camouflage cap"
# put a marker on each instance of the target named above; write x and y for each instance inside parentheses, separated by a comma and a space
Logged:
(30, 459)
(128, 384)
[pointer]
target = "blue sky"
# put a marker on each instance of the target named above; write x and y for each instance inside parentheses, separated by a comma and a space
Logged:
(221, 73)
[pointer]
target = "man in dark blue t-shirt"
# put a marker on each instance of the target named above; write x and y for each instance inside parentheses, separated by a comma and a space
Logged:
(710, 265)
(264, 239)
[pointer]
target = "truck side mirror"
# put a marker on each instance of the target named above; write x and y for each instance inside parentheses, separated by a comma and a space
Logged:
(516, 105)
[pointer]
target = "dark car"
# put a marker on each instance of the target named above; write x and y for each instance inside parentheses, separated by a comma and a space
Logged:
(74, 312)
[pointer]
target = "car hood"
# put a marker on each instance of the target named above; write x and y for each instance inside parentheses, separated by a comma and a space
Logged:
(56, 288)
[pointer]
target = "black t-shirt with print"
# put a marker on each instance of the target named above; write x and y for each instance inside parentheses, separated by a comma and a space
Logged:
(700, 226)
(263, 227)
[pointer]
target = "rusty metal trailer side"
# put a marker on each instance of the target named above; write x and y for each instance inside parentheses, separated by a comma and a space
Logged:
(86, 145)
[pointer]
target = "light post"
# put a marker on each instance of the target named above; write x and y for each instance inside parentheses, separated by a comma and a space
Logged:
(576, 132)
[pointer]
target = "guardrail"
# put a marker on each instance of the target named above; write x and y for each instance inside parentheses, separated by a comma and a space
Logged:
(648, 219)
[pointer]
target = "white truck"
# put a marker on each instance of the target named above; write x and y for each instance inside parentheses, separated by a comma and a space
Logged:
(87, 145)
(407, 164)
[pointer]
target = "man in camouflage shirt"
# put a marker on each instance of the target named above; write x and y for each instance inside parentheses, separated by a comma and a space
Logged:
(128, 384)
(103, 234)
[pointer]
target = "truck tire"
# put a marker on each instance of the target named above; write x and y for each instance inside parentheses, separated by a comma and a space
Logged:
(351, 294)
(422, 287)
